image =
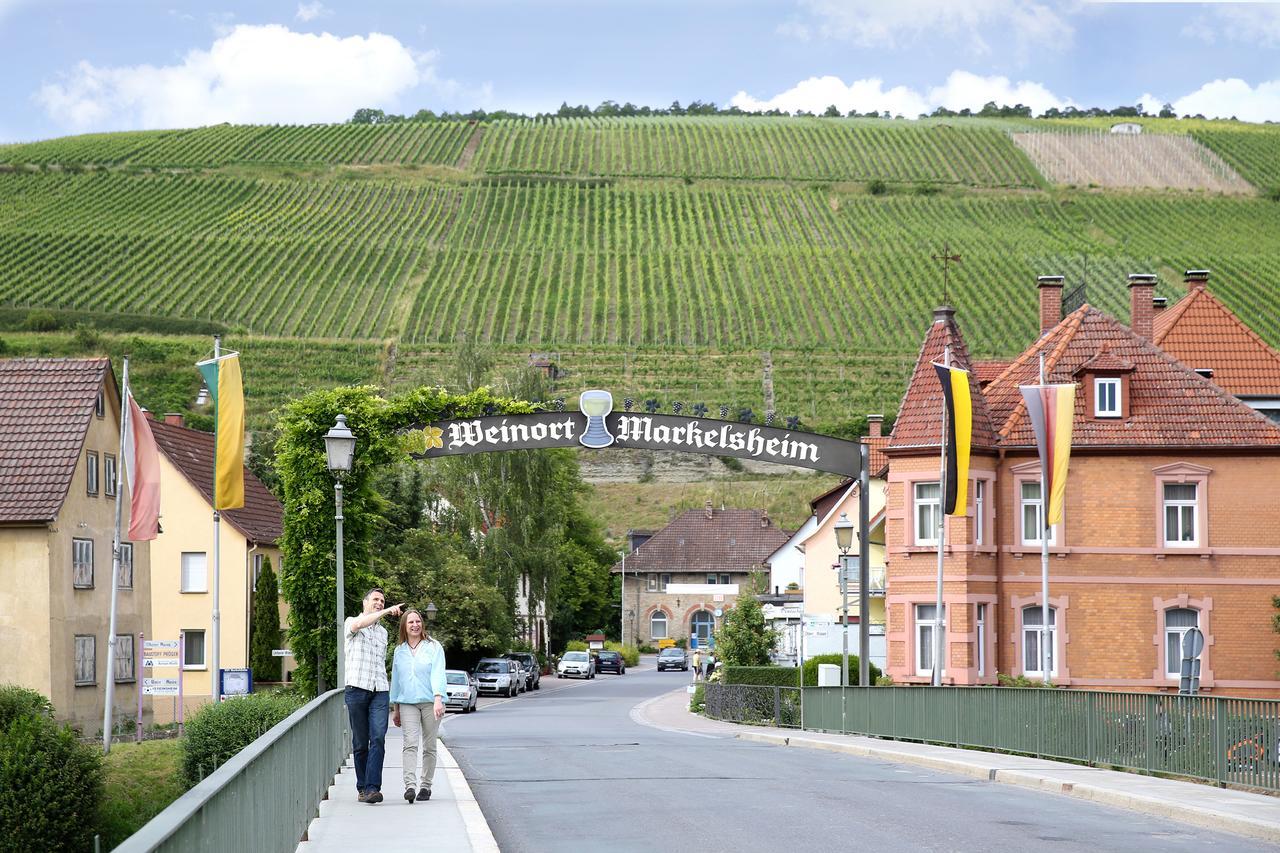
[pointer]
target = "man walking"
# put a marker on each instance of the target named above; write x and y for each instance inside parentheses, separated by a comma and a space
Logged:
(367, 691)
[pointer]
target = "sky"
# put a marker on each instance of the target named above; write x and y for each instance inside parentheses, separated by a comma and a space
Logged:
(90, 66)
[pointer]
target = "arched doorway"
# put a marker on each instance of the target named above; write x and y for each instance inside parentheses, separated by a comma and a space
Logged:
(701, 627)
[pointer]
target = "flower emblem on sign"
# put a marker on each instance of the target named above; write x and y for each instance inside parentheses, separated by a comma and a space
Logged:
(434, 436)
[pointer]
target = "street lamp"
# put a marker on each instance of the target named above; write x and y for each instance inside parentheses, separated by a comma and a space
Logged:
(339, 448)
(431, 611)
(844, 541)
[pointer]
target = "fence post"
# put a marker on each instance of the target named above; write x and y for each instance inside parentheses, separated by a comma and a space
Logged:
(777, 706)
(1219, 743)
(1150, 748)
(1091, 707)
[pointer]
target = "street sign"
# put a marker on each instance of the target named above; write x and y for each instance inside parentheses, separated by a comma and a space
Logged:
(719, 612)
(849, 570)
(159, 687)
(1192, 643)
(282, 653)
(159, 652)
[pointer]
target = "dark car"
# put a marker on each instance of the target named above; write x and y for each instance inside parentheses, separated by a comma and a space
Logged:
(607, 661)
(673, 658)
(533, 671)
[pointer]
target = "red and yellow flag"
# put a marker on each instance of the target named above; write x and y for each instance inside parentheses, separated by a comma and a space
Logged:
(1051, 409)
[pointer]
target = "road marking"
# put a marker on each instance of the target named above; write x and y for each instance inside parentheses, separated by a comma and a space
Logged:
(638, 715)
(478, 832)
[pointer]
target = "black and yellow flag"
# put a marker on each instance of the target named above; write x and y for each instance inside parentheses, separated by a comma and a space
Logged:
(955, 393)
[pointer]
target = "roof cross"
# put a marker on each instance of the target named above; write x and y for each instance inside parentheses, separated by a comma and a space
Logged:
(947, 258)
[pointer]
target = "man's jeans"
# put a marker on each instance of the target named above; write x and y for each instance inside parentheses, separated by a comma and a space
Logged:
(368, 711)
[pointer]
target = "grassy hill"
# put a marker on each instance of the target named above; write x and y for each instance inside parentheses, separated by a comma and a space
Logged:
(658, 256)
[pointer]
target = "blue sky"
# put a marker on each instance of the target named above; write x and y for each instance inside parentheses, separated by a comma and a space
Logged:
(74, 67)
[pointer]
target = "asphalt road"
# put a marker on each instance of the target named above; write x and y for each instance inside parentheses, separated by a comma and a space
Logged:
(567, 769)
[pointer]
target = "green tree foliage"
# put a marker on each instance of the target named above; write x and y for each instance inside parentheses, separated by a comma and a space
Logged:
(264, 630)
(811, 668)
(744, 639)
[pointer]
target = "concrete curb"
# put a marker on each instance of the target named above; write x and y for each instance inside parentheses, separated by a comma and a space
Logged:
(1182, 811)
(478, 832)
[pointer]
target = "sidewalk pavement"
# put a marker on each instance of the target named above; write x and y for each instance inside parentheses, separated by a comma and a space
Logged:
(1207, 806)
(450, 822)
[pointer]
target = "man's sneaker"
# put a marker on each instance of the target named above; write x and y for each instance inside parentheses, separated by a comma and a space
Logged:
(373, 797)
(364, 797)
(423, 794)
(408, 794)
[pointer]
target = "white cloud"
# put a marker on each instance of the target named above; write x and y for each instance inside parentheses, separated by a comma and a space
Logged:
(252, 74)
(881, 24)
(962, 89)
(311, 11)
(1233, 97)
(1248, 23)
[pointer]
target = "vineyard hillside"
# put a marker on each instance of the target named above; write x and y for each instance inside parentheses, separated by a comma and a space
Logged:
(657, 256)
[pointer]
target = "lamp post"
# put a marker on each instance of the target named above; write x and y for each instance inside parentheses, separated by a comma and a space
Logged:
(340, 449)
(844, 541)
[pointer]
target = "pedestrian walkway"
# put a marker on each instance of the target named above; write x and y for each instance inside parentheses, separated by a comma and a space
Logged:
(450, 822)
(1254, 815)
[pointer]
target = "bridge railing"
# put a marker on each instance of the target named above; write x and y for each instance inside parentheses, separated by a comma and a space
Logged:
(1220, 739)
(264, 797)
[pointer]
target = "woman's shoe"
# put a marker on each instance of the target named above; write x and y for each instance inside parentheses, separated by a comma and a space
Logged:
(408, 794)
(423, 794)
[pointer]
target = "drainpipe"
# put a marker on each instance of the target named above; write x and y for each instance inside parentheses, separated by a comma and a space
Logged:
(995, 540)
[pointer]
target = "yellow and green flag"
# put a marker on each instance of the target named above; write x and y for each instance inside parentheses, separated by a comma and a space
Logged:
(222, 378)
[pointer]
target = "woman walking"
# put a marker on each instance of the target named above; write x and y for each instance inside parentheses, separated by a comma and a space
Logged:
(417, 699)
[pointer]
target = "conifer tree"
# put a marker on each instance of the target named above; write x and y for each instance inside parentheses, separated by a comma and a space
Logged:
(264, 627)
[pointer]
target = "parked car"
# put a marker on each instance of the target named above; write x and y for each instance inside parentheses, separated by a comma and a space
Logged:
(576, 665)
(533, 672)
(462, 691)
(673, 658)
(607, 661)
(498, 676)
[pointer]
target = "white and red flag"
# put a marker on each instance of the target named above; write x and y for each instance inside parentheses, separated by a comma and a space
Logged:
(142, 464)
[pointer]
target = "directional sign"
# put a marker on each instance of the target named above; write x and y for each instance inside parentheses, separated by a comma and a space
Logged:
(1192, 643)
(282, 653)
(159, 652)
(159, 687)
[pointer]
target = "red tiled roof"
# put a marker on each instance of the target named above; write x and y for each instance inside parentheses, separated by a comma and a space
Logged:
(45, 407)
(919, 422)
(1104, 360)
(1169, 405)
(732, 540)
(1201, 332)
(989, 371)
(876, 460)
(261, 519)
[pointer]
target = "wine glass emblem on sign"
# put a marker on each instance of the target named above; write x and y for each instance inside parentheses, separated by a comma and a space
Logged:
(596, 405)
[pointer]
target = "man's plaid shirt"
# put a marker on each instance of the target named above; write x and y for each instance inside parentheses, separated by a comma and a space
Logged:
(366, 657)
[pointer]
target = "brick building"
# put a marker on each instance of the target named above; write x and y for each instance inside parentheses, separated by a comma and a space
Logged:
(681, 580)
(1170, 518)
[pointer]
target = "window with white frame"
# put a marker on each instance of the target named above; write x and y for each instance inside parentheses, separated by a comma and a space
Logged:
(86, 659)
(124, 579)
(109, 475)
(979, 508)
(124, 657)
(91, 472)
(195, 572)
(82, 563)
(193, 649)
(724, 579)
(652, 581)
(100, 404)
(1106, 397)
(928, 512)
(658, 625)
(664, 580)
(711, 578)
(1033, 514)
(982, 638)
(1032, 622)
(1177, 622)
(1180, 508)
(926, 614)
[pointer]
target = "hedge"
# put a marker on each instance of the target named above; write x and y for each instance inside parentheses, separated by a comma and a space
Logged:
(51, 785)
(217, 732)
(18, 701)
(630, 654)
(769, 676)
(811, 668)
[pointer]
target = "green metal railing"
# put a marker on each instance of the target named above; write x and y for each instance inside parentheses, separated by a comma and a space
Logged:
(1216, 738)
(265, 796)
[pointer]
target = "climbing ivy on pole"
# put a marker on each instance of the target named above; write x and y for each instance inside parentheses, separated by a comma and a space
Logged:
(308, 570)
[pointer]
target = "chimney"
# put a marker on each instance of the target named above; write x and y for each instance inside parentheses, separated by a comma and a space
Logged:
(1159, 303)
(708, 509)
(875, 424)
(1195, 279)
(1142, 287)
(1050, 287)
(943, 313)
(764, 518)
(174, 419)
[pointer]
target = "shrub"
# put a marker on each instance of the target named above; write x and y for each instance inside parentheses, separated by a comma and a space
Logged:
(50, 785)
(1018, 681)
(575, 646)
(630, 654)
(875, 186)
(648, 650)
(41, 321)
(698, 701)
(1273, 193)
(811, 669)
(4, 347)
(217, 732)
(682, 643)
(18, 701)
(770, 676)
(884, 681)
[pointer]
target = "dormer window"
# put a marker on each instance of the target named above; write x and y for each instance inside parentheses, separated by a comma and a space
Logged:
(1106, 397)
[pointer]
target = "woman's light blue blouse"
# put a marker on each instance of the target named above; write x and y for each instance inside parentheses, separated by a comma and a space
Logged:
(418, 679)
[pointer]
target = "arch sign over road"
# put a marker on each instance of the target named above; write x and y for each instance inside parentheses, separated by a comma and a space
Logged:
(598, 426)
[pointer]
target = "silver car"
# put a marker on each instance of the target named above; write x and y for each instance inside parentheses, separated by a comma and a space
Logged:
(499, 676)
(463, 694)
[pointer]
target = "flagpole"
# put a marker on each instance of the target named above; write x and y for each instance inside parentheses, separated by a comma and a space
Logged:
(1045, 636)
(938, 620)
(215, 687)
(115, 569)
